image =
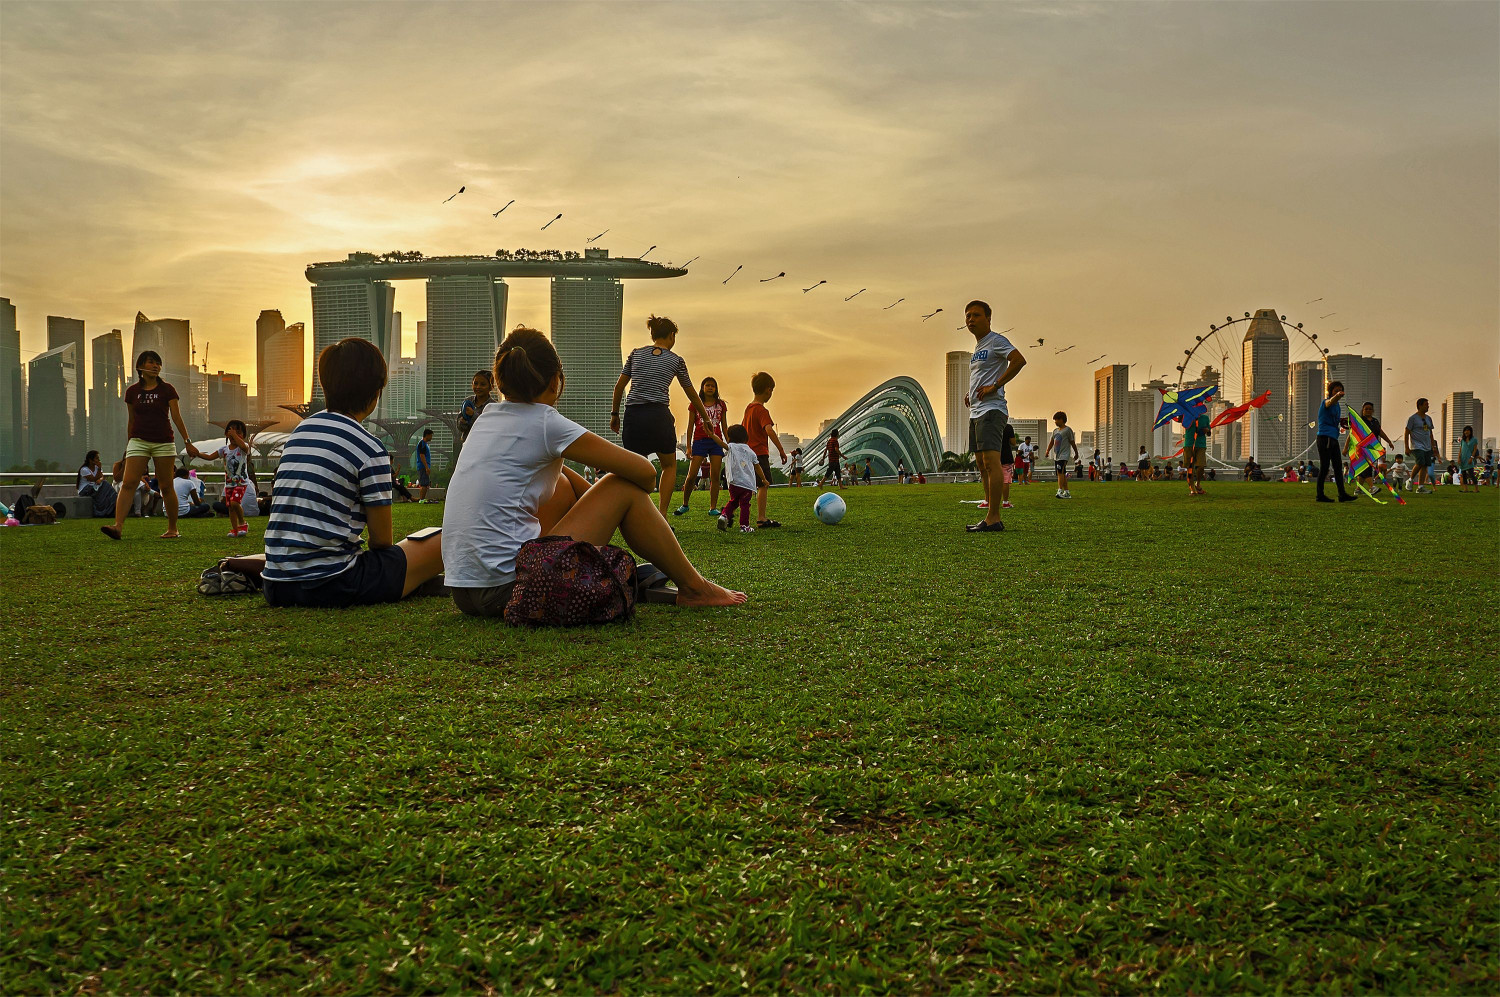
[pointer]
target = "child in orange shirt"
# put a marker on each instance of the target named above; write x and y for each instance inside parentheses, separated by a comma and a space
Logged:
(758, 425)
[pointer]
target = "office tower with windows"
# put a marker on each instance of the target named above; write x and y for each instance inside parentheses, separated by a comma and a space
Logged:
(1265, 355)
(956, 425)
(54, 417)
(406, 392)
(281, 373)
(343, 309)
(172, 339)
(587, 319)
(1460, 409)
(1305, 392)
(1111, 388)
(108, 419)
(1363, 379)
(228, 398)
(465, 316)
(12, 389)
(61, 331)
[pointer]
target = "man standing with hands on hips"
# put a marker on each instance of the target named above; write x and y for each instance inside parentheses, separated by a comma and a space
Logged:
(994, 363)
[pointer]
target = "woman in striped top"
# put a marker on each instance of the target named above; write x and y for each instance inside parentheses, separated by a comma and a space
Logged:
(648, 427)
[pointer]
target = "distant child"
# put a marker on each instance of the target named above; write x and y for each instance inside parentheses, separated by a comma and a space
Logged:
(1468, 450)
(835, 460)
(424, 465)
(483, 385)
(236, 456)
(745, 477)
(705, 446)
(900, 471)
(758, 424)
(1057, 446)
(865, 477)
(794, 469)
(314, 552)
(1400, 473)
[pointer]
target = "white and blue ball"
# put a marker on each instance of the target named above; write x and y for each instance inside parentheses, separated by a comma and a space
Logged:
(830, 508)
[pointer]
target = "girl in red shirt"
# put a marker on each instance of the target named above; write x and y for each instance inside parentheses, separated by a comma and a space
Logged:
(705, 445)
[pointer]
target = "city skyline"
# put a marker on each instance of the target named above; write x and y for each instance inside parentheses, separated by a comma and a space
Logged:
(1110, 177)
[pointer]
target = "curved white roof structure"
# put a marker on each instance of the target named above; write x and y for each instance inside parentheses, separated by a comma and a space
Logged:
(892, 421)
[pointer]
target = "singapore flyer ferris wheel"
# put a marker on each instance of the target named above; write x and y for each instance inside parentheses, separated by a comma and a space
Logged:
(1246, 357)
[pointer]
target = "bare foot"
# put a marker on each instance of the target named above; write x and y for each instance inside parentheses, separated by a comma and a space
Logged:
(112, 532)
(710, 595)
(171, 535)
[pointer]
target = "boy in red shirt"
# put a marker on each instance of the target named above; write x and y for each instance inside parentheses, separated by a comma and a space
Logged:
(758, 425)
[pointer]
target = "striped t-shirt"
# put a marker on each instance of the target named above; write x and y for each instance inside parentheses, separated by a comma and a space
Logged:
(331, 469)
(650, 370)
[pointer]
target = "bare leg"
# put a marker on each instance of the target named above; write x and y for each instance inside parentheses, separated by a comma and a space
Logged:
(984, 475)
(614, 503)
(135, 469)
(714, 464)
(564, 495)
(424, 562)
(760, 502)
(667, 483)
(166, 473)
(988, 459)
(692, 479)
(1004, 486)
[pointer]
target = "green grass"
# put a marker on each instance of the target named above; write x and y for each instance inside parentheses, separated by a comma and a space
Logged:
(1136, 742)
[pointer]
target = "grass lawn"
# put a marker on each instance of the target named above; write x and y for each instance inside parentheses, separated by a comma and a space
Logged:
(1138, 741)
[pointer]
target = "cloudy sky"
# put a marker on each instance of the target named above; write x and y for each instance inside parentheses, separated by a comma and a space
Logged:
(1112, 176)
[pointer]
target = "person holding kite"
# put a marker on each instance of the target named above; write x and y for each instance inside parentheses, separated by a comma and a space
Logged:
(1195, 451)
(1330, 417)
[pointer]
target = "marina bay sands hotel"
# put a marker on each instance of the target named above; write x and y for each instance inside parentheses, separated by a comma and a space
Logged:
(466, 305)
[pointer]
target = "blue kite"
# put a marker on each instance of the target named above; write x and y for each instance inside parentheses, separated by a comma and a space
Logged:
(1183, 406)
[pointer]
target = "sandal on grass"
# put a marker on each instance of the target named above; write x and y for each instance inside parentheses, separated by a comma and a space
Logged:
(653, 586)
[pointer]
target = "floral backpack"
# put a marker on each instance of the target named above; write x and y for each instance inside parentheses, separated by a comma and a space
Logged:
(562, 582)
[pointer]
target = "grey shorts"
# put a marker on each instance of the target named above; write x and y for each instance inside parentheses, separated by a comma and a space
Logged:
(988, 433)
(483, 602)
(1423, 458)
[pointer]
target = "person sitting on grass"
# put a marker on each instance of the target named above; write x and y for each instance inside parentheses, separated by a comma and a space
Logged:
(334, 483)
(511, 486)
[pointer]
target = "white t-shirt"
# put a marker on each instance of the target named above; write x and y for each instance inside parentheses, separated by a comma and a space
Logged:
(741, 466)
(988, 362)
(508, 468)
(185, 488)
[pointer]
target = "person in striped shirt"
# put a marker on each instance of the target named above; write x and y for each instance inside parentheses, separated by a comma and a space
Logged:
(333, 484)
(647, 427)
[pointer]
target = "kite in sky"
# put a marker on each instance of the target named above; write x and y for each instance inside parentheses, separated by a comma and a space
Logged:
(767, 280)
(597, 237)
(685, 265)
(1183, 406)
(454, 194)
(1310, 302)
(643, 255)
(1039, 342)
(893, 304)
(855, 294)
(1063, 350)
(818, 284)
(1098, 358)
(731, 276)
(929, 315)
(544, 227)
(497, 213)
(1238, 411)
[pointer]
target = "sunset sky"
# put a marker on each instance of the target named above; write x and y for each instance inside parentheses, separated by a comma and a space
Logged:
(1116, 176)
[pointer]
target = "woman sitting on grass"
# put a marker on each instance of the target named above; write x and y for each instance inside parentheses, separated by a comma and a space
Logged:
(510, 486)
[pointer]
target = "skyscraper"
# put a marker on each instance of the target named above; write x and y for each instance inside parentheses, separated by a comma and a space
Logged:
(464, 317)
(12, 389)
(587, 318)
(227, 398)
(1265, 354)
(54, 416)
(406, 391)
(1460, 409)
(956, 425)
(268, 325)
(107, 417)
(422, 343)
(361, 309)
(70, 330)
(281, 372)
(1305, 391)
(1111, 384)
(172, 339)
(1363, 378)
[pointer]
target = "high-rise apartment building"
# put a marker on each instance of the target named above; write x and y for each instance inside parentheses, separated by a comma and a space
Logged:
(1460, 409)
(12, 389)
(464, 318)
(587, 314)
(956, 425)
(406, 391)
(361, 309)
(1265, 355)
(108, 420)
(54, 419)
(1363, 378)
(1111, 385)
(61, 331)
(280, 373)
(1304, 392)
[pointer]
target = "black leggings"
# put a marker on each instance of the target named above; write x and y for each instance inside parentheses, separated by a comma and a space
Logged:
(1328, 455)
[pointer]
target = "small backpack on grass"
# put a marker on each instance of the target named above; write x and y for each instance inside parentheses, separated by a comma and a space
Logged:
(562, 582)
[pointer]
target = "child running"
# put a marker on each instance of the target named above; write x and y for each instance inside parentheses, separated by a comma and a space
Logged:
(647, 427)
(511, 486)
(1057, 446)
(745, 477)
(236, 456)
(758, 424)
(153, 413)
(706, 446)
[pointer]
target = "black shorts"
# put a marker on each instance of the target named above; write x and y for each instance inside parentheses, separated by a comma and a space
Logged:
(648, 429)
(375, 576)
(764, 460)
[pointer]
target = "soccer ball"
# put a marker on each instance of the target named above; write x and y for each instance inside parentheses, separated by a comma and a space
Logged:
(830, 508)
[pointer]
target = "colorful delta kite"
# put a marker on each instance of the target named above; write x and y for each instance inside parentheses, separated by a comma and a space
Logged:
(1183, 406)
(1238, 411)
(1365, 450)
